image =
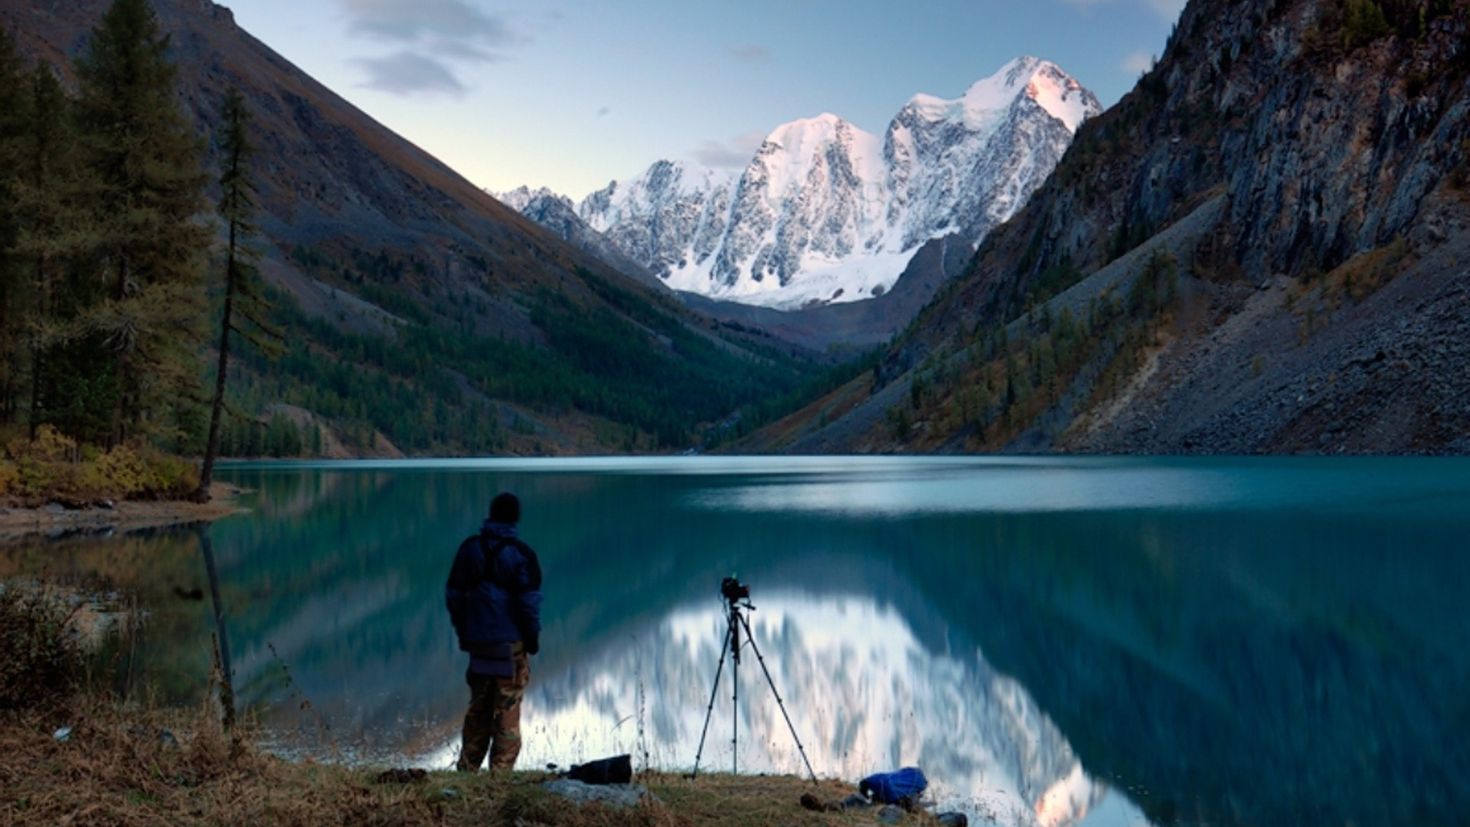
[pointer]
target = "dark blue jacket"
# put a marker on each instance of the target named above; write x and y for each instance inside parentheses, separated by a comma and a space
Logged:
(494, 601)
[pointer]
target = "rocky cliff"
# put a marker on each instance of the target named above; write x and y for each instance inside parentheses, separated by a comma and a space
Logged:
(1258, 249)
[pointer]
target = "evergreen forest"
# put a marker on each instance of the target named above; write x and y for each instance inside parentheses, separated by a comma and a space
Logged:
(133, 313)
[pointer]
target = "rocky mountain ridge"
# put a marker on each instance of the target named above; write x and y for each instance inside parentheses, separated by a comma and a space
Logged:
(827, 213)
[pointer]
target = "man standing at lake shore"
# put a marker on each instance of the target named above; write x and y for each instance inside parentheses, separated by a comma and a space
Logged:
(494, 601)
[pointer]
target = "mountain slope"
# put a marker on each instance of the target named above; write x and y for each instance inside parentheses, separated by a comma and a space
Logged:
(558, 214)
(1260, 248)
(828, 213)
(423, 313)
(831, 331)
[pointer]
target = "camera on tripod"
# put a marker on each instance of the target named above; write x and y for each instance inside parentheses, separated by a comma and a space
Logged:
(733, 590)
(735, 620)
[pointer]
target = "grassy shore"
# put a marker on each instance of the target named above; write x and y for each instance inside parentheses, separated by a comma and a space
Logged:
(72, 753)
(120, 766)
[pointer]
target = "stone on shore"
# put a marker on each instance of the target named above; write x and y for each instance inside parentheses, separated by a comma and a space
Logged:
(617, 796)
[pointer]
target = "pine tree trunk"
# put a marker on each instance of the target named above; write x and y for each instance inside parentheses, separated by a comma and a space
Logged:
(119, 369)
(43, 307)
(12, 351)
(211, 445)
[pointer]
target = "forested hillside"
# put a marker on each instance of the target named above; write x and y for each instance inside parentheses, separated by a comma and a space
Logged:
(419, 315)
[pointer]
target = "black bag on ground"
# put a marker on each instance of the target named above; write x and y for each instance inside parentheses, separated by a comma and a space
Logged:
(615, 770)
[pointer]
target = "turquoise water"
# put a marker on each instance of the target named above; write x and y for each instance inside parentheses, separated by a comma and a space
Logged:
(1054, 641)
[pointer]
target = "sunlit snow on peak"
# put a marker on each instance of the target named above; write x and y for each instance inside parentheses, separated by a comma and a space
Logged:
(826, 212)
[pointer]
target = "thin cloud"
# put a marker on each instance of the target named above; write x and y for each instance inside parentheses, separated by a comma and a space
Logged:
(407, 73)
(413, 21)
(750, 52)
(432, 36)
(1138, 63)
(1167, 9)
(604, 111)
(466, 52)
(735, 152)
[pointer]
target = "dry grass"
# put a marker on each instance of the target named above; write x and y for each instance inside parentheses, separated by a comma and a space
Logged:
(40, 654)
(1316, 298)
(118, 767)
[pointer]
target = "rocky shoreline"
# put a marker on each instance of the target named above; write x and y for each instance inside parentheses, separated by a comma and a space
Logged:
(55, 520)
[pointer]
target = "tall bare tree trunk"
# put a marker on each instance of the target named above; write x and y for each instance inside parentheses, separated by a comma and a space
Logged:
(211, 445)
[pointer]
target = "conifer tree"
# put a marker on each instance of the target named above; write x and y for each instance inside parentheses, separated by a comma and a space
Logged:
(149, 189)
(12, 117)
(244, 312)
(55, 233)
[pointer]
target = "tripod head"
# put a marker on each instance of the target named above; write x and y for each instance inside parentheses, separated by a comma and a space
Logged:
(734, 591)
(737, 597)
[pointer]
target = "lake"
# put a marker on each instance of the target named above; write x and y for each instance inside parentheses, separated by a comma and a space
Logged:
(1055, 641)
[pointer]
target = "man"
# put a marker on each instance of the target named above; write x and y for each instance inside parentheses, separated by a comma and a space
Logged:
(494, 600)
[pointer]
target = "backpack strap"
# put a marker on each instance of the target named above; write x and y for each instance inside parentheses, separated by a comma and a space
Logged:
(492, 550)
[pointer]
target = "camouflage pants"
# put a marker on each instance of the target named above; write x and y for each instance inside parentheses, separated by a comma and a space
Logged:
(493, 721)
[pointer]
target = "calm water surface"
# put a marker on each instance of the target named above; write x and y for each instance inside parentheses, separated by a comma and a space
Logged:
(1054, 641)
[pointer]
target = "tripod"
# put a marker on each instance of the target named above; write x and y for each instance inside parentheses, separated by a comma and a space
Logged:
(731, 645)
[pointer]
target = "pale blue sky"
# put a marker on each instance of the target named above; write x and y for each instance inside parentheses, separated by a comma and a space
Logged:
(572, 94)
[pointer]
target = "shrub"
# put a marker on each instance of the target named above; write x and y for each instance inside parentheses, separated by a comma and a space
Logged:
(40, 656)
(166, 476)
(1364, 23)
(1358, 277)
(139, 473)
(45, 465)
(53, 466)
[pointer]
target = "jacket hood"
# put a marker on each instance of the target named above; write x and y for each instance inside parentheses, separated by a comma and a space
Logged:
(498, 529)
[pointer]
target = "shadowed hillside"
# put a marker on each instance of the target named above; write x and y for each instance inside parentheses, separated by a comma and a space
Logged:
(423, 315)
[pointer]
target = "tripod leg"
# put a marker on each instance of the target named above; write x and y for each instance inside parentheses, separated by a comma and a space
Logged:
(724, 650)
(750, 636)
(734, 696)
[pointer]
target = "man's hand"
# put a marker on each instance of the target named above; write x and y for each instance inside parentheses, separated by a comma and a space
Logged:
(532, 644)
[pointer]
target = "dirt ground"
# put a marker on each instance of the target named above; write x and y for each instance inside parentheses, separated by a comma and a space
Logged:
(17, 524)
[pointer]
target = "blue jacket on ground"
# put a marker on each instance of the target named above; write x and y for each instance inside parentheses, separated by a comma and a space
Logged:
(494, 597)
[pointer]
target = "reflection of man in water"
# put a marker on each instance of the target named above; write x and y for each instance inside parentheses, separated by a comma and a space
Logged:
(494, 600)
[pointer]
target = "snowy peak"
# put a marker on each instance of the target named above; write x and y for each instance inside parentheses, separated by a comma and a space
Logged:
(810, 136)
(793, 150)
(1026, 78)
(1061, 95)
(665, 219)
(965, 165)
(827, 212)
(521, 198)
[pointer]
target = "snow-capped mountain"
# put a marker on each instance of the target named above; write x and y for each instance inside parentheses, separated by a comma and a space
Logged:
(672, 214)
(558, 214)
(522, 198)
(826, 212)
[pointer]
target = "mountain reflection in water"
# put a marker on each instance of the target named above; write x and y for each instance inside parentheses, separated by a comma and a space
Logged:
(863, 692)
(1054, 640)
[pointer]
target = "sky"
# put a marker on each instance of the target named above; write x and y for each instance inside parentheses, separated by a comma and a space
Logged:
(571, 95)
